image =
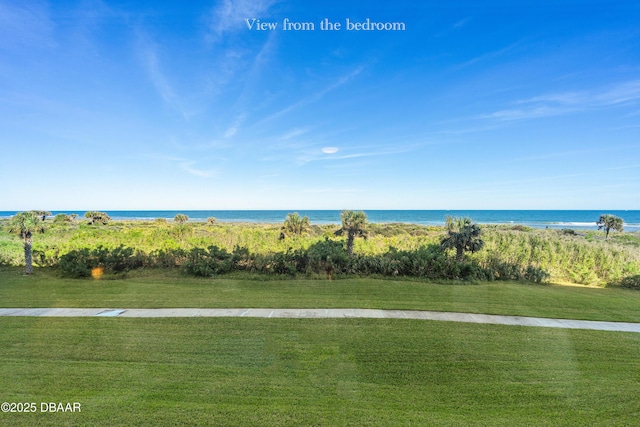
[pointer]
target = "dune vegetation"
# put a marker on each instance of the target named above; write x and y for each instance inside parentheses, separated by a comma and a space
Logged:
(296, 248)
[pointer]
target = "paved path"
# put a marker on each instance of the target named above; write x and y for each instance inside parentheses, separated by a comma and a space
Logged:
(322, 313)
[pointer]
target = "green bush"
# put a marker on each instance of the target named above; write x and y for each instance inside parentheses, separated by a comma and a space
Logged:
(166, 258)
(328, 256)
(281, 263)
(536, 274)
(427, 261)
(46, 257)
(629, 282)
(497, 269)
(4, 260)
(520, 227)
(208, 262)
(81, 262)
(62, 218)
(77, 263)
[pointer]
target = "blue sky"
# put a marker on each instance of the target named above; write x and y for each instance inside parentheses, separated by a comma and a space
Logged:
(179, 105)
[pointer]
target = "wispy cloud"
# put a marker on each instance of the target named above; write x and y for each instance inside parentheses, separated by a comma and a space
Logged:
(294, 133)
(148, 55)
(26, 24)
(187, 165)
(564, 98)
(555, 104)
(316, 96)
(455, 27)
(322, 154)
(250, 84)
(625, 92)
(229, 16)
(527, 113)
(203, 173)
(488, 55)
(461, 23)
(235, 126)
(90, 17)
(333, 190)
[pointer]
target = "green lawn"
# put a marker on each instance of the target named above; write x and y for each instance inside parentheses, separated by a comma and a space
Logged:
(45, 289)
(324, 372)
(243, 372)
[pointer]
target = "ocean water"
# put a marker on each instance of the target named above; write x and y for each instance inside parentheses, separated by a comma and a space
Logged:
(576, 219)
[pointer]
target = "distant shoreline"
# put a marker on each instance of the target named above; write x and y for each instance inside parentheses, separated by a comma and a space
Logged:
(553, 219)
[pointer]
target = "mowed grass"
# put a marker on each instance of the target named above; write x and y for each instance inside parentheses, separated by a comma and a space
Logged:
(316, 372)
(45, 289)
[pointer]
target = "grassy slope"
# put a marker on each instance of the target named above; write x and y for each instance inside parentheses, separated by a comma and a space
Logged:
(316, 372)
(45, 289)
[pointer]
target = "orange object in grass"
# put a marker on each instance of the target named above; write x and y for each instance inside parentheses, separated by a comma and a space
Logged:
(97, 272)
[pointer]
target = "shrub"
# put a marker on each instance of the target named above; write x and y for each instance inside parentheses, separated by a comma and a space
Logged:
(77, 263)
(46, 257)
(181, 230)
(96, 217)
(497, 269)
(4, 260)
(166, 258)
(520, 227)
(81, 262)
(327, 256)
(62, 218)
(468, 271)
(181, 218)
(629, 282)
(289, 262)
(536, 274)
(427, 261)
(208, 262)
(242, 259)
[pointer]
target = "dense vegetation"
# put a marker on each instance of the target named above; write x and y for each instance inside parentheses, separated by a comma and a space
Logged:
(76, 248)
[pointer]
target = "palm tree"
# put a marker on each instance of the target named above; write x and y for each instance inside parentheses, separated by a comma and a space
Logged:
(294, 225)
(42, 214)
(25, 224)
(462, 235)
(608, 222)
(181, 218)
(97, 217)
(354, 225)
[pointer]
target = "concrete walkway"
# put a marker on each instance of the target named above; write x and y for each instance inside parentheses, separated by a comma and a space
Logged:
(322, 313)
